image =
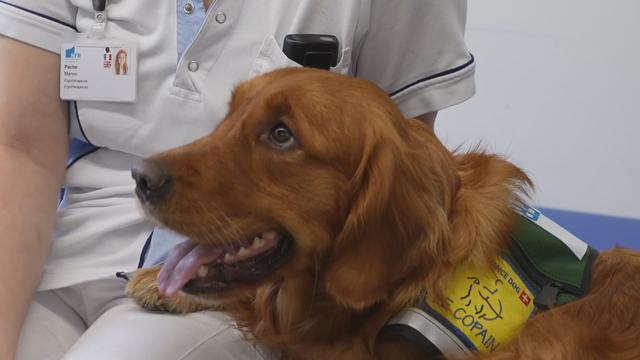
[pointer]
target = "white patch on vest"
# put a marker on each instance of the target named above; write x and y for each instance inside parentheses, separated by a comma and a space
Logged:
(577, 246)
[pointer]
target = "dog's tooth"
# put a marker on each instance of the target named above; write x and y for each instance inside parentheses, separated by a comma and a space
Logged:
(202, 271)
(243, 252)
(257, 243)
(271, 235)
(228, 258)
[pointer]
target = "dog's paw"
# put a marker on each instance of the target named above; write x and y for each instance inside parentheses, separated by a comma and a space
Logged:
(143, 290)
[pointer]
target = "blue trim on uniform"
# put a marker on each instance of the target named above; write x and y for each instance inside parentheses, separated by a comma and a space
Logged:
(435, 76)
(145, 250)
(188, 25)
(84, 135)
(41, 15)
(600, 231)
(79, 149)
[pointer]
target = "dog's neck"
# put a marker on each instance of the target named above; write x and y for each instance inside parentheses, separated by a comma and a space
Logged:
(292, 315)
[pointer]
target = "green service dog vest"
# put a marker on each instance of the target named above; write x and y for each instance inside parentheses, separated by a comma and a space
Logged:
(544, 266)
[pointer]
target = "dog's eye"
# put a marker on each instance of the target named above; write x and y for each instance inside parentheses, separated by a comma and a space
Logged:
(281, 135)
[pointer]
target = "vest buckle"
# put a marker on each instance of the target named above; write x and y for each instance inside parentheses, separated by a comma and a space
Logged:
(548, 296)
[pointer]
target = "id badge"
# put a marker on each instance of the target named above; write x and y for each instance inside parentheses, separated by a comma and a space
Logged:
(98, 70)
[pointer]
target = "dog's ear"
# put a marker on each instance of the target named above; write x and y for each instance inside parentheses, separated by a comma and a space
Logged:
(419, 212)
(398, 221)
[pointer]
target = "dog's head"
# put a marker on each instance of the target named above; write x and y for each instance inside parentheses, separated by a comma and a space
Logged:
(315, 179)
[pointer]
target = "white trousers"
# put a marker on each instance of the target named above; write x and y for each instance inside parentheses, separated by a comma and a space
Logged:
(95, 320)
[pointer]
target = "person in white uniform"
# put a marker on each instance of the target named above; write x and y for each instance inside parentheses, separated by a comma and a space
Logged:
(60, 297)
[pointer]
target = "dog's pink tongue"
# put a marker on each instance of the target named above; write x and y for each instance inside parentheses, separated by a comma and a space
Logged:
(182, 263)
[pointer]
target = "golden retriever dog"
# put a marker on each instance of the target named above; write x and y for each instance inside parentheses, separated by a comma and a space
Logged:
(316, 212)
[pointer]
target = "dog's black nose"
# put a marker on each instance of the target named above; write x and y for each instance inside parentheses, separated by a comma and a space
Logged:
(151, 179)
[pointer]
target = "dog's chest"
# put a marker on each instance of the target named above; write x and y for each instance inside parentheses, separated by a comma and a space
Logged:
(487, 306)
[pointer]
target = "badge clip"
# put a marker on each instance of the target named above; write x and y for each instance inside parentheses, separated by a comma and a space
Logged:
(100, 17)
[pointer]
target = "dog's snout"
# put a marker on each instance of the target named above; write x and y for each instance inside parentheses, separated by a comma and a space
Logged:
(151, 179)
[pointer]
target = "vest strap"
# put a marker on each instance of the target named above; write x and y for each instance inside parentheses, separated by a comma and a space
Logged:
(432, 331)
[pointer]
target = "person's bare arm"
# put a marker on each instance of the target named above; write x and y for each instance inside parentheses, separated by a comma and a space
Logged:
(33, 151)
(428, 118)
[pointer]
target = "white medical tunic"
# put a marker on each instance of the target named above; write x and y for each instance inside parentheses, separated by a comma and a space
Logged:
(413, 49)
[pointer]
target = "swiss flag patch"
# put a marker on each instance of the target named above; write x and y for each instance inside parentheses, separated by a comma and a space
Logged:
(524, 298)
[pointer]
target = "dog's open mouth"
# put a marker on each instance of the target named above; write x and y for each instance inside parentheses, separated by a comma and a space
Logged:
(200, 269)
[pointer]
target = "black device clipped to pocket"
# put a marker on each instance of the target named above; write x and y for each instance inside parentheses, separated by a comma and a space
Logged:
(312, 50)
(99, 5)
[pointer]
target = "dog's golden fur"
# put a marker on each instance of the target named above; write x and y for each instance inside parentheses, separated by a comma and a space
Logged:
(380, 212)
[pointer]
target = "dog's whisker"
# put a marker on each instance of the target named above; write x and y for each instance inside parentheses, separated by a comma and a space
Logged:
(231, 228)
(220, 232)
(216, 229)
(211, 231)
(316, 276)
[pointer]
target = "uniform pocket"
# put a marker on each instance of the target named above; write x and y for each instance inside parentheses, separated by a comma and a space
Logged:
(344, 64)
(270, 58)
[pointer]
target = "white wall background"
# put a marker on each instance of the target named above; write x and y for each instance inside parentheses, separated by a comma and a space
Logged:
(558, 92)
